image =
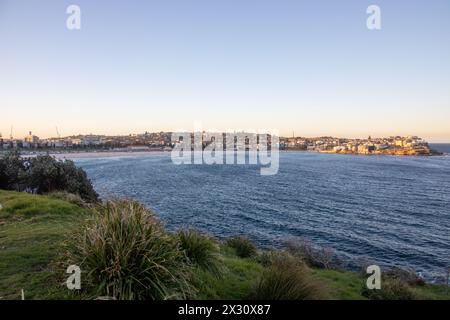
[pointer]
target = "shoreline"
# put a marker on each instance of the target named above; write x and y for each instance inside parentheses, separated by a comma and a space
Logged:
(106, 154)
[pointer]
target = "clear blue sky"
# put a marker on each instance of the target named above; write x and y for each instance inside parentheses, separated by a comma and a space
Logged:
(306, 66)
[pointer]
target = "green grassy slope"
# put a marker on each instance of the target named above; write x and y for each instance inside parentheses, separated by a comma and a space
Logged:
(239, 277)
(33, 231)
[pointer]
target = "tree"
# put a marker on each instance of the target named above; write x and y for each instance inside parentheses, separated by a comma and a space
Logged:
(44, 174)
(12, 172)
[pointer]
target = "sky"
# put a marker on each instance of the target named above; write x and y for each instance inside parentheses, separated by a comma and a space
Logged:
(307, 68)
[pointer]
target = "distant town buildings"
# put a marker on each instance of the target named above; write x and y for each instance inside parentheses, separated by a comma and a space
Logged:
(396, 145)
(146, 141)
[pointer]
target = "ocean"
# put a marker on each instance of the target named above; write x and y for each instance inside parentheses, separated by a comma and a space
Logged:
(442, 147)
(389, 210)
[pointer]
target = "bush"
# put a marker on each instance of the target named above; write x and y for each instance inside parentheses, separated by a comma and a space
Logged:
(363, 263)
(243, 246)
(44, 174)
(127, 254)
(391, 289)
(12, 172)
(287, 278)
(200, 250)
(405, 275)
(317, 257)
(270, 257)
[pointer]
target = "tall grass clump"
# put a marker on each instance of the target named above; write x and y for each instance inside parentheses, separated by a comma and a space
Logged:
(267, 258)
(200, 250)
(287, 278)
(243, 246)
(126, 254)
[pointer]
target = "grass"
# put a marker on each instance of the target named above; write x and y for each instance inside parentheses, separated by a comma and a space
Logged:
(200, 250)
(238, 278)
(433, 292)
(342, 285)
(33, 235)
(288, 278)
(392, 289)
(243, 246)
(126, 254)
(33, 230)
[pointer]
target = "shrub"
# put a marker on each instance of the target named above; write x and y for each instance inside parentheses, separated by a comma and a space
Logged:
(317, 257)
(405, 275)
(363, 263)
(12, 172)
(287, 278)
(270, 257)
(127, 254)
(44, 174)
(391, 289)
(200, 250)
(243, 246)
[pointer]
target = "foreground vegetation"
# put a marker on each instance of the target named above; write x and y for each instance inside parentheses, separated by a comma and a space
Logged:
(33, 231)
(126, 253)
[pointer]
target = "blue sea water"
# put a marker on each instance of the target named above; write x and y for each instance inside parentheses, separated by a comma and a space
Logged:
(441, 147)
(392, 210)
